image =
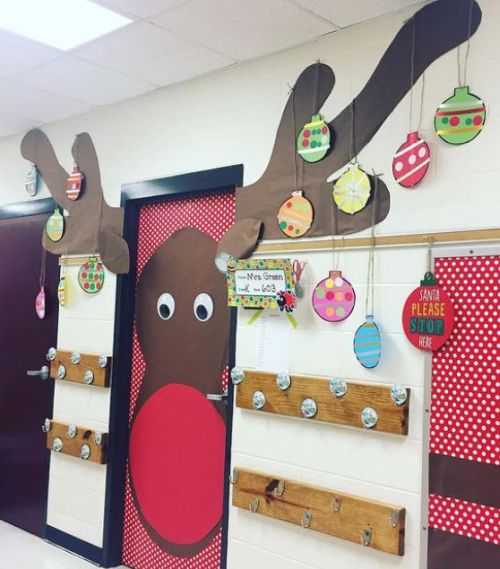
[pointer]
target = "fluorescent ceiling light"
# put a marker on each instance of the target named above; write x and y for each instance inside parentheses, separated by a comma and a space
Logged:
(63, 24)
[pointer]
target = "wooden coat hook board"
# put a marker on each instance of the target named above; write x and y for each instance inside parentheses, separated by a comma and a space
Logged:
(76, 441)
(87, 369)
(367, 522)
(376, 407)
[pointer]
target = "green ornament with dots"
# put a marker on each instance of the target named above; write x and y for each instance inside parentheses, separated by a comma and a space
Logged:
(91, 276)
(460, 118)
(313, 141)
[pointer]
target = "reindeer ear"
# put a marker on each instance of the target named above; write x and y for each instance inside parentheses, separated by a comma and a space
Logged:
(239, 242)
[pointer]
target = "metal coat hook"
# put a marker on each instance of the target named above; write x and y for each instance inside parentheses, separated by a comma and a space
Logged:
(336, 504)
(366, 536)
(233, 477)
(254, 504)
(306, 519)
(280, 489)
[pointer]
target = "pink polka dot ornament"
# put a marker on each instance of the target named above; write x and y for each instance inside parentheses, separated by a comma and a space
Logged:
(411, 161)
(334, 298)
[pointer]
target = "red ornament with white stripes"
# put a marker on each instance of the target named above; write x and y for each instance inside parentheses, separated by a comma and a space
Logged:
(411, 161)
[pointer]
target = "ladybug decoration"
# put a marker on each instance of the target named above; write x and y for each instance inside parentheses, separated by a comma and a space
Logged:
(32, 181)
(460, 118)
(428, 315)
(91, 276)
(313, 141)
(295, 215)
(54, 228)
(411, 161)
(287, 300)
(74, 184)
(352, 190)
(334, 298)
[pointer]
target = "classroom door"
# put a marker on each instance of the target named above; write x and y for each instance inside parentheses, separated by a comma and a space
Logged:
(24, 401)
(178, 414)
(464, 460)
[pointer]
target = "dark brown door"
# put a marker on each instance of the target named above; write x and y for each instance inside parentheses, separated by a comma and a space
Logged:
(24, 401)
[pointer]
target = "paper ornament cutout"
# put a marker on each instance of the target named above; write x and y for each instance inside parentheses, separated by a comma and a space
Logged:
(55, 226)
(367, 343)
(428, 315)
(334, 298)
(296, 215)
(40, 304)
(32, 181)
(91, 276)
(313, 141)
(411, 161)
(460, 118)
(62, 291)
(74, 184)
(352, 190)
(286, 300)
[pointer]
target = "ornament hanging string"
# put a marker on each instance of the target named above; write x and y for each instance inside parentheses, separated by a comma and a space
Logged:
(354, 156)
(463, 83)
(412, 80)
(430, 243)
(98, 226)
(43, 269)
(294, 126)
(370, 274)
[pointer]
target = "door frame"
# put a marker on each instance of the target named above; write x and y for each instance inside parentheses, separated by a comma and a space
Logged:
(133, 197)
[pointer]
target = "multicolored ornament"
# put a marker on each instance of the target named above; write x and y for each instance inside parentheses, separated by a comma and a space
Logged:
(55, 226)
(313, 141)
(352, 190)
(334, 298)
(40, 303)
(428, 315)
(91, 276)
(62, 291)
(367, 343)
(411, 161)
(32, 181)
(295, 215)
(460, 118)
(74, 184)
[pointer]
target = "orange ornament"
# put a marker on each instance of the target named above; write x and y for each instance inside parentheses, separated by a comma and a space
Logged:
(296, 215)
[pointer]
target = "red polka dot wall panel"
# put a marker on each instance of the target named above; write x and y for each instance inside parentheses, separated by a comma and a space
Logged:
(175, 473)
(464, 462)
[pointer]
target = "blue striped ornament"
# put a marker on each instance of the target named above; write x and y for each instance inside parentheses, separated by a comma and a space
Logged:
(367, 343)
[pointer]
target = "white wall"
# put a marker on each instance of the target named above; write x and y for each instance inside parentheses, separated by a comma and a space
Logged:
(230, 117)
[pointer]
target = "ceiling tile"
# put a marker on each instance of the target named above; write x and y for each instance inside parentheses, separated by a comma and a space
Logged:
(244, 29)
(11, 124)
(140, 8)
(18, 54)
(345, 13)
(84, 81)
(152, 54)
(35, 104)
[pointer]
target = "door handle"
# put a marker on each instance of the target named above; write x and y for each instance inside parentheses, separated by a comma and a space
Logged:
(217, 396)
(43, 372)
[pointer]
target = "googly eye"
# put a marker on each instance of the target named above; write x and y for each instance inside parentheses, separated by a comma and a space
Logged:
(165, 306)
(203, 307)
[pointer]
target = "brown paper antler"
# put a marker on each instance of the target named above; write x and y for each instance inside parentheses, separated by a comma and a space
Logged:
(438, 28)
(87, 227)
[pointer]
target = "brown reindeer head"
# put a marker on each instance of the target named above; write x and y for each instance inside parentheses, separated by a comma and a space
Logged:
(435, 29)
(91, 221)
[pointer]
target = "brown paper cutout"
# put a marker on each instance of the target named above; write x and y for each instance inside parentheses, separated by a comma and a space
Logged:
(82, 224)
(439, 27)
(241, 238)
(182, 349)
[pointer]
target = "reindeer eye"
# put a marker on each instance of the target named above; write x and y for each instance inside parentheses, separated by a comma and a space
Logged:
(165, 306)
(203, 307)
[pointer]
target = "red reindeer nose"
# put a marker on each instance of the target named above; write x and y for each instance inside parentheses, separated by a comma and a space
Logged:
(177, 447)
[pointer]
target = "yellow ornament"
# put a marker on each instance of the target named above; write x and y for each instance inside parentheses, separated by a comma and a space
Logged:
(351, 191)
(295, 215)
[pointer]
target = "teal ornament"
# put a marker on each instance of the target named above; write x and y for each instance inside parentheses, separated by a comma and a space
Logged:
(367, 343)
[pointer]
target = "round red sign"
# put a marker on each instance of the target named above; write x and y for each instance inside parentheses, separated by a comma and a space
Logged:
(428, 315)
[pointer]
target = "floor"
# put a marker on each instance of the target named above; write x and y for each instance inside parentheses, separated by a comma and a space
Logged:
(21, 550)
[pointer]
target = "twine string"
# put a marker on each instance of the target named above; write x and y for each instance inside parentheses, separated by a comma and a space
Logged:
(463, 72)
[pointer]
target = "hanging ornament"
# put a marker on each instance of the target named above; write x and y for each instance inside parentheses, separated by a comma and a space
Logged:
(313, 141)
(411, 161)
(40, 303)
(428, 315)
(62, 290)
(351, 191)
(334, 298)
(460, 118)
(74, 184)
(295, 215)
(55, 226)
(367, 343)
(91, 276)
(32, 181)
